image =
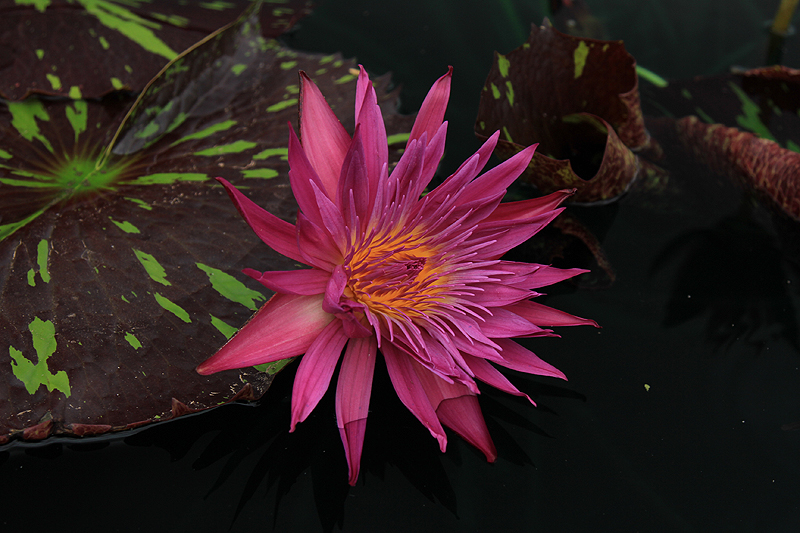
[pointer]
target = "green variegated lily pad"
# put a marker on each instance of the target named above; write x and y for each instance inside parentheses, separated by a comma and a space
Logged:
(119, 253)
(45, 44)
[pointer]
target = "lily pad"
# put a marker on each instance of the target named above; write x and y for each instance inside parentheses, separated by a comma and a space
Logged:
(44, 44)
(579, 99)
(744, 126)
(119, 253)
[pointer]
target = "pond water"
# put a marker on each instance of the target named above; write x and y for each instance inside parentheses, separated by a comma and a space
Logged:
(677, 415)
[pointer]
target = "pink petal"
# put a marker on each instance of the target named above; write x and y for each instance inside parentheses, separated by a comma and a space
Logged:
(315, 371)
(353, 195)
(352, 398)
(284, 327)
(337, 281)
(544, 316)
(406, 173)
(373, 136)
(499, 295)
(525, 209)
(516, 357)
(463, 415)
(278, 234)
(306, 281)
(331, 218)
(431, 114)
(433, 155)
(485, 372)
(316, 245)
(301, 176)
(503, 324)
(547, 275)
(458, 408)
(409, 389)
(500, 177)
(507, 235)
(325, 140)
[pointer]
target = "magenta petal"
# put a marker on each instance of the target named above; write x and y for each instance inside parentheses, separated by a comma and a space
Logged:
(431, 114)
(284, 327)
(503, 324)
(353, 194)
(463, 415)
(485, 372)
(315, 371)
(306, 281)
(508, 235)
(498, 295)
(433, 155)
(316, 245)
(301, 176)
(544, 316)
(373, 138)
(547, 275)
(500, 177)
(324, 139)
(526, 209)
(352, 398)
(278, 234)
(457, 408)
(333, 291)
(410, 391)
(516, 357)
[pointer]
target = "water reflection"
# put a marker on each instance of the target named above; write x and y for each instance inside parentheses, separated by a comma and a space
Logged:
(737, 274)
(261, 455)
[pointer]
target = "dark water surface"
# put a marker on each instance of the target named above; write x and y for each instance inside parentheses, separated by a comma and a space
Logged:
(674, 415)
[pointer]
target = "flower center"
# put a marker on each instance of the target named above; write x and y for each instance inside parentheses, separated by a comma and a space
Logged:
(399, 276)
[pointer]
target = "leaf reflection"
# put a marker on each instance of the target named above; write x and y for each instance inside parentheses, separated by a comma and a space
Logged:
(736, 273)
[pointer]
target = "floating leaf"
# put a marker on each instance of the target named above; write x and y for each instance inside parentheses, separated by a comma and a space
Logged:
(119, 262)
(579, 99)
(44, 44)
(746, 127)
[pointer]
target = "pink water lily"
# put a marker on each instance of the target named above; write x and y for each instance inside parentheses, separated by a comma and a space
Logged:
(417, 278)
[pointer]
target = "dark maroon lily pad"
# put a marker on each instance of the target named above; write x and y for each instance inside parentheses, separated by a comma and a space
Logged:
(744, 126)
(44, 45)
(579, 99)
(120, 260)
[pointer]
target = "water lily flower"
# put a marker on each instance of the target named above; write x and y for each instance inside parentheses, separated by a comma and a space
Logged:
(414, 277)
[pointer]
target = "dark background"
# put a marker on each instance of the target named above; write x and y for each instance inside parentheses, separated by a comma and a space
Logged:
(703, 311)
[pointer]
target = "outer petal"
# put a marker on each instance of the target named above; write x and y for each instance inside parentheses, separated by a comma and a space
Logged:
(316, 245)
(307, 281)
(541, 315)
(500, 177)
(431, 114)
(276, 233)
(503, 324)
(547, 275)
(458, 408)
(353, 194)
(525, 209)
(315, 371)
(324, 139)
(411, 392)
(433, 155)
(284, 327)
(352, 398)
(507, 235)
(485, 372)
(516, 357)
(373, 131)
(301, 176)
